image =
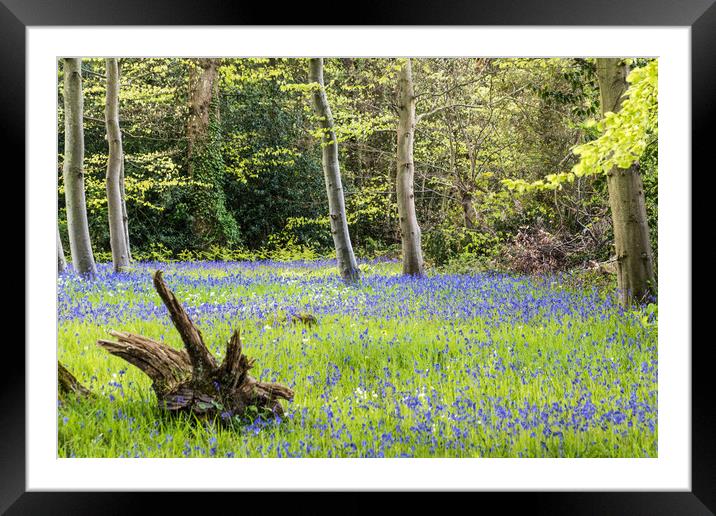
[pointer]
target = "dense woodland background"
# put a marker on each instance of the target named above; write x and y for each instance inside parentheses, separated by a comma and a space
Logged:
(256, 190)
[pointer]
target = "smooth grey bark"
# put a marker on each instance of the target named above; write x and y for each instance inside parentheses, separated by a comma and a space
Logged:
(634, 259)
(409, 228)
(117, 236)
(61, 262)
(125, 217)
(347, 265)
(73, 170)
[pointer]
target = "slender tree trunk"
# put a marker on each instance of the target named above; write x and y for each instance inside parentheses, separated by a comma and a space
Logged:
(73, 171)
(468, 210)
(635, 267)
(409, 228)
(61, 262)
(117, 236)
(336, 204)
(125, 216)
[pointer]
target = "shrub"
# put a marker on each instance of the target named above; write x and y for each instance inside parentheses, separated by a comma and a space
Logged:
(535, 251)
(445, 242)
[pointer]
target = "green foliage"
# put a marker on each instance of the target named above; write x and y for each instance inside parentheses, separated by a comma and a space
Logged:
(211, 221)
(468, 263)
(273, 167)
(623, 136)
(255, 187)
(303, 233)
(158, 252)
(445, 243)
(289, 249)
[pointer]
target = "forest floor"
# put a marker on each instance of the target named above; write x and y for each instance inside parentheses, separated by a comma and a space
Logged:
(482, 365)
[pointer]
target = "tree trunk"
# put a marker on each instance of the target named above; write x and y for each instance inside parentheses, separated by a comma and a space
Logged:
(211, 222)
(202, 77)
(61, 262)
(125, 216)
(73, 170)
(331, 171)
(635, 267)
(468, 210)
(190, 380)
(409, 228)
(117, 236)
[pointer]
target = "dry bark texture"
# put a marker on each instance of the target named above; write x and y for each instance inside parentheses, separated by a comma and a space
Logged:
(634, 259)
(191, 380)
(409, 228)
(202, 82)
(68, 384)
(347, 264)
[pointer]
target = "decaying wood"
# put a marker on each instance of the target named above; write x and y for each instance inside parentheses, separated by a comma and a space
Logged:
(304, 318)
(68, 384)
(190, 379)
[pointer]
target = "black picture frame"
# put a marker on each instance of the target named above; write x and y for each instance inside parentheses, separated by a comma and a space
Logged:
(700, 15)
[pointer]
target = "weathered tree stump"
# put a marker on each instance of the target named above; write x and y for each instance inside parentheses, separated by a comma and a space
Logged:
(190, 380)
(68, 384)
(304, 318)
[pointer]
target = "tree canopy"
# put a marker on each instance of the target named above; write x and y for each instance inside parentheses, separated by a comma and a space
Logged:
(495, 139)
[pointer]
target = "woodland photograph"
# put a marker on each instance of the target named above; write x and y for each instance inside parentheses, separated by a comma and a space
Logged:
(357, 257)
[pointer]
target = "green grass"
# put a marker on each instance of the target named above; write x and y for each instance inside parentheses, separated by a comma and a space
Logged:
(449, 366)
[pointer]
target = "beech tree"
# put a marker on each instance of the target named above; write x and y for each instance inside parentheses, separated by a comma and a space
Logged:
(116, 214)
(635, 267)
(218, 158)
(125, 216)
(73, 170)
(404, 180)
(629, 108)
(347, 264)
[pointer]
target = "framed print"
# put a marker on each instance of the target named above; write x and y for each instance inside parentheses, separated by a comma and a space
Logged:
(636, 436)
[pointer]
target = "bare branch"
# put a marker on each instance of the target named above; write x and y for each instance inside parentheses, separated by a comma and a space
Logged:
(202, 360)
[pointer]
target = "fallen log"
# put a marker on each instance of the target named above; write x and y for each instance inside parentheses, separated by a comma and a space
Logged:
(68, 384)
(191, 380)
